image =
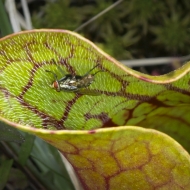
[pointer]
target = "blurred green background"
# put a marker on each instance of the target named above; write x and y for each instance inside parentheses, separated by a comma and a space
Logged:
(132, 29)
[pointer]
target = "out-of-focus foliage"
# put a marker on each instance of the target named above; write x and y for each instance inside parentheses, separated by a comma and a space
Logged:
(173, 34)
(5, 26)
(146, 28)
(44, 168)
(59, 14)
(8, 133)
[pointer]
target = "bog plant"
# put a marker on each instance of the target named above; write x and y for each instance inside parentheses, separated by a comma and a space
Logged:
(101, 134)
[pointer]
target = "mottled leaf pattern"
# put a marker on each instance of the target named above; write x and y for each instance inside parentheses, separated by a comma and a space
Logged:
(125, 157)
(129, 158)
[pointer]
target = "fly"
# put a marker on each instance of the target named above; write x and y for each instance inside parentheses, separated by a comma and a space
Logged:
(75, 83)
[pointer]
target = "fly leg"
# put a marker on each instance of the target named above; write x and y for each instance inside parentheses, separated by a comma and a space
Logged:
(90, 70)
(61, 70)
(55, 76)
(98, 72)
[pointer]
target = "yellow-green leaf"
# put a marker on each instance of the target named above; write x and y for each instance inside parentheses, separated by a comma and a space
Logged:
(124, 157)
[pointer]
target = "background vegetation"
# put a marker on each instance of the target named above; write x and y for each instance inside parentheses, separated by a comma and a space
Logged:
(133, 29)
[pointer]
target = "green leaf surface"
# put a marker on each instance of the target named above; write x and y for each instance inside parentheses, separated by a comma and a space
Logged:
(17, 179)
(128, 157)
(131, 158)
(5, 167)
(26, 149)
(8, 133)
(127, 97)
(5, 25)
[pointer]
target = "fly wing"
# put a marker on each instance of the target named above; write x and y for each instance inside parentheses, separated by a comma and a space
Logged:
(89, 92)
